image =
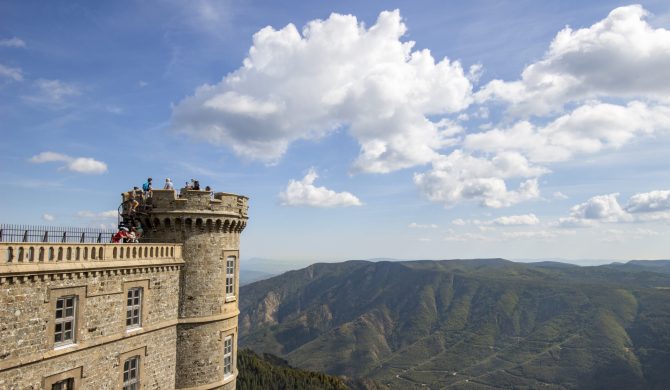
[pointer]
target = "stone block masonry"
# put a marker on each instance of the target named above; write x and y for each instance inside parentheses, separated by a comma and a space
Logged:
(187, 281)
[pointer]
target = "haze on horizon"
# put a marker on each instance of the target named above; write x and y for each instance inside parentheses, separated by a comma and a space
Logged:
(413, 131)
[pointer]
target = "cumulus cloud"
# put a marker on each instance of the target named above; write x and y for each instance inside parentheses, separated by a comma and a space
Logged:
(12, 42)
(648, 202)
(596, 89)
(612, 76)
(641, 207)
(620, 56)
(48, 217)
(15, 74)
(415, 225)
(460, 176)
(589, 129)
(601, 207)
(305, 193)
(334, 73)
(86, 165)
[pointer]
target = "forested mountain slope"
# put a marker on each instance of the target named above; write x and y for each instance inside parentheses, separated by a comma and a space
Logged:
(487, 323)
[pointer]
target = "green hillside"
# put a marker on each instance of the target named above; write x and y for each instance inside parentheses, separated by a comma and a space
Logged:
(269, 372)
(467, 323)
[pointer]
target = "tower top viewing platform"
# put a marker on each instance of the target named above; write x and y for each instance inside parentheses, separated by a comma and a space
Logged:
(198, 201)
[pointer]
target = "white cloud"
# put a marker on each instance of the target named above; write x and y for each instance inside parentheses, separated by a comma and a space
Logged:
(574, 222)
(48, 217)
(12, 42)
(415, 225)
(400, 104)
(589, 129)
(620, 56)
(459, 176)
(15, 74)
(54, 93)
(335, 73)
(515, 220)
(85, 165)
(49, 157)
(601, 208)
(616, 75)
(142, 83)
(649, 202)
(642, 207)
(304, 193)
(98, 215)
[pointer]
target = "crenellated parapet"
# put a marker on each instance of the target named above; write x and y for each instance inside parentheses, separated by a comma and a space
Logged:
(200, 201)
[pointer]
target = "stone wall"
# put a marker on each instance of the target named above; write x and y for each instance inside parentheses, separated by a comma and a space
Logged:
(101, 366)
(195, 349)
(28, 293)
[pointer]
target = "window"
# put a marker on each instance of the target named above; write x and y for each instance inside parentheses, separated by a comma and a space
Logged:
(230, 277)
(131, 373)
(67, 307)
(228, 356)
(68, 380)
(65, 324)
(66, 384)
(134, 308)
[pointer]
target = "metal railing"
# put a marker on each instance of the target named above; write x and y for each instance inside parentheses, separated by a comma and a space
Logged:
(29, 233)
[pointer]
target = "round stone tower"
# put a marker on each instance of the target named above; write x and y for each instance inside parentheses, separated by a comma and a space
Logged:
(209, 230)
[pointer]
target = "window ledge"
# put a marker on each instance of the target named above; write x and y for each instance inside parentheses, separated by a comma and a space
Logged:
(65, 346)
(134, 329)
(231, 299)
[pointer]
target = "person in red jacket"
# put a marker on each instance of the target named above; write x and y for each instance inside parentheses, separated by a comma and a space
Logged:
(120, 236)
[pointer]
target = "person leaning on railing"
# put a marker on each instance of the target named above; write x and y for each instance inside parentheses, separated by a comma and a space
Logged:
(120, 236)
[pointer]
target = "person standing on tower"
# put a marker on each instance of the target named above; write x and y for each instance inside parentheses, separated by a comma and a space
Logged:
(168, 184)
(147, 188)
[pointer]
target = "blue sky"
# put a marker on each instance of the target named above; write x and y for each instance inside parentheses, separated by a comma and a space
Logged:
(499, 133)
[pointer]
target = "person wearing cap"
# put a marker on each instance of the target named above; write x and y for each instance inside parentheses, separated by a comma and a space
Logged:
(168, 184)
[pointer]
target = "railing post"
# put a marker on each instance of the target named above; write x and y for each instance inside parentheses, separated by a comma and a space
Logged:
(64, 240)
(99, 237)
(25, 236)
(46, 236)
(83, 238)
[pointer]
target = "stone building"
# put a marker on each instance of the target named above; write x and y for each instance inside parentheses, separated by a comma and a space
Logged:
(160, 314)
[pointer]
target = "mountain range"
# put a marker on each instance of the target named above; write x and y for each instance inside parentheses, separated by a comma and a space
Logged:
(485, 323)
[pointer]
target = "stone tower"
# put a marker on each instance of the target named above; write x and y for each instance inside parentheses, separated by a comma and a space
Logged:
(209, 230)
